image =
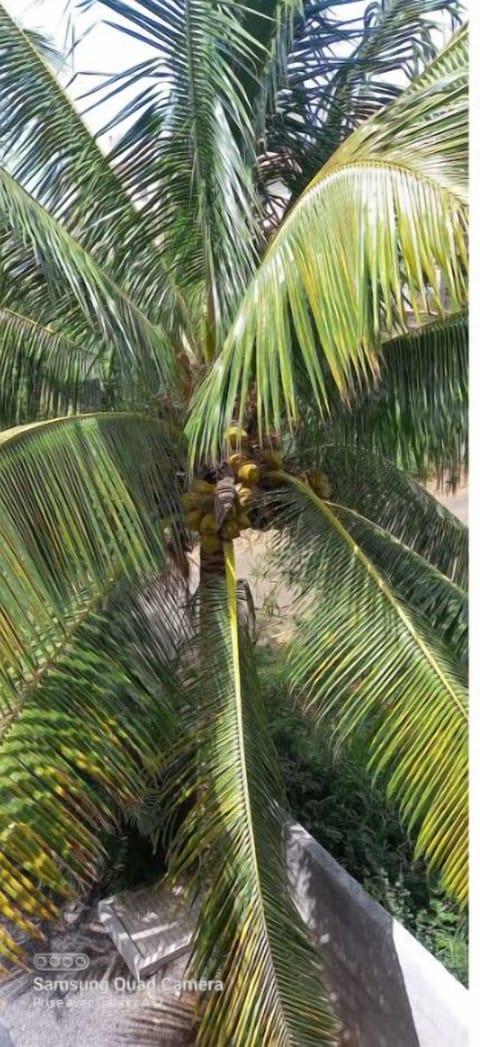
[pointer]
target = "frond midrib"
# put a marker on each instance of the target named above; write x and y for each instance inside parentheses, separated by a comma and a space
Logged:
(18, 432)
(50, 331)
(231, 587)
(401, 546)
(380, 582)
(331, 173)
(31, 681)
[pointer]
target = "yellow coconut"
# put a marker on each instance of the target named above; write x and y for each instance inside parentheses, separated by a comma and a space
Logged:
(210, 543)
(229, 530)
(245, 496)
(320, 483)
(205, 503)
(236, 435)
(249, 474)
(243, 522)
(236, 461)
(208, 524)
(272, 458)
(193, 520)
(203, 487)
(190, 501)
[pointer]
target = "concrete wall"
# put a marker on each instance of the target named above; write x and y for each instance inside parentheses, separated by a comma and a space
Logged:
(386, 988)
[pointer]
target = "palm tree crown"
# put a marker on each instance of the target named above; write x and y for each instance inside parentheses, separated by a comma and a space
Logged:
(249, 312)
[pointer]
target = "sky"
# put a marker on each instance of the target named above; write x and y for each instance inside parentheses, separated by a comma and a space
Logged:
(100, 49)
(103, 50)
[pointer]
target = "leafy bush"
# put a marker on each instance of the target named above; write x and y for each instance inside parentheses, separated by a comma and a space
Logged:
(333, 797)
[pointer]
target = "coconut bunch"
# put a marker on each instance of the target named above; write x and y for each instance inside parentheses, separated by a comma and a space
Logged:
(250, 463)
(200, 514)
(259, 466)
(218, 508)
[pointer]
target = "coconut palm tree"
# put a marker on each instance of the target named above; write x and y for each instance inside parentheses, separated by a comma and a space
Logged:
(249, 312)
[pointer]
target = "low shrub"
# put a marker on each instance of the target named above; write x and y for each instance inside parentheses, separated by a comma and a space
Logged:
(334, 798)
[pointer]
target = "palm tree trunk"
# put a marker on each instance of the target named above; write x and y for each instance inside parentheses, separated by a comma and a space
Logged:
(212, 565)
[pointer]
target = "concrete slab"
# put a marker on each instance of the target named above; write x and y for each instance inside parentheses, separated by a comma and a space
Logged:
(149, 928)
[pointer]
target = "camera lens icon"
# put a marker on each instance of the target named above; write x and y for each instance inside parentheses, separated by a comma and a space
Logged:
(58, 961)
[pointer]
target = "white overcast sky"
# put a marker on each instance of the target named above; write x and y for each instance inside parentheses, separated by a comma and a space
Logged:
(100, 50)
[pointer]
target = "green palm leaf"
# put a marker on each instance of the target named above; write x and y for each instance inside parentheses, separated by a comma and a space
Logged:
(43, 371)
(49, 150)
(417, 415)
(381, 224)
(79, 505)
(366, 658)
(443, 603)
(374, 487)
(342, 67)
(141, 348)
(80, 501)
(185, 151)
(87, 741)
(273, 27)
(230, 851)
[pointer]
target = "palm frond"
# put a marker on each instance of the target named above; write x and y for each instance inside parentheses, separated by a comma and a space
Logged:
(53, 312)
(431, 112)
(443, 603)
(43, 371)
(349, 64)
(387, 496)
(81, 504)
(272, 27)
(374, 239)
(140, 346)
(86, 742)
(169, 1024)
(230, 850)
(80, 501)
(444, 63)
(183, 154)
(47, 147)
(417, 414)
(369, 661)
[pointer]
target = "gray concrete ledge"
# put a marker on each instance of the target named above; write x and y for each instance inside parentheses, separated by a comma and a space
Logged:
(387, 989)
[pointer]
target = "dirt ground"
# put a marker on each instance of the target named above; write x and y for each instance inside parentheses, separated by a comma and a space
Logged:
(457, 503)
